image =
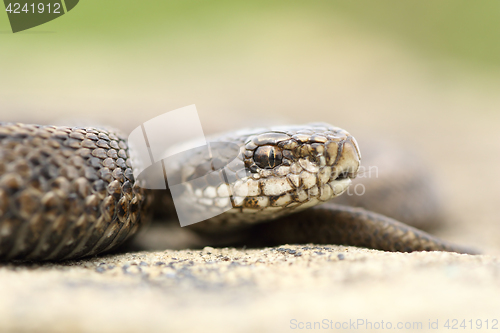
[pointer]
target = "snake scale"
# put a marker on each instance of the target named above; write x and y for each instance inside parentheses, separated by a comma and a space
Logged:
(70, 192)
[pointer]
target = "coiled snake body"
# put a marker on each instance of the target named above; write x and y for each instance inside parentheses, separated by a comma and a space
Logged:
(69, 192)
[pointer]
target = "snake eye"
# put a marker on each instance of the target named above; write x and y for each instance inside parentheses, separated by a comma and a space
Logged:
(267, 157)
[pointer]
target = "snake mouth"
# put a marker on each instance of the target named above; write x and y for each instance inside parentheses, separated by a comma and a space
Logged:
(340, 184)
(345, 175)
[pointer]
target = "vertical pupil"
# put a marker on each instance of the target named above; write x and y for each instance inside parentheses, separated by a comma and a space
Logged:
(271, 158)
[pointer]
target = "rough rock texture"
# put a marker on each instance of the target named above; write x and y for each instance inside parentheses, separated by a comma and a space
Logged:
(267, 290)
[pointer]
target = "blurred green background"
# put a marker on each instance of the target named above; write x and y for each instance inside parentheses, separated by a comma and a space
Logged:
(112, 61)
(104, 54)
(465, 30)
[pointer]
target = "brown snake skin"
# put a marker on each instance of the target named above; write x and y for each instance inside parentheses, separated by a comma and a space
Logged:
(338, 224)
(65, 192)
(70, 192)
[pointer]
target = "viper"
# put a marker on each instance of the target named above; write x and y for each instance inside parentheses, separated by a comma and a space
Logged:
(70, 192)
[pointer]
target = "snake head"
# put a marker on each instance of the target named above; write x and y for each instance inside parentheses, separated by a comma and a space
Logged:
(272, 172)
(309, 157)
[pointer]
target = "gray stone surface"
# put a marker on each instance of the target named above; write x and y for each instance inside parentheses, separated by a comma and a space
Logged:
(265, 290)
